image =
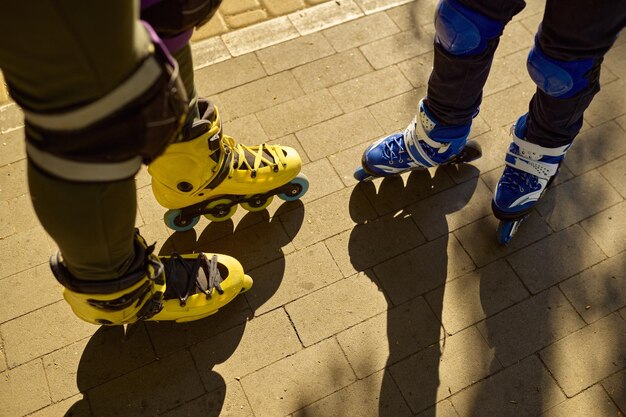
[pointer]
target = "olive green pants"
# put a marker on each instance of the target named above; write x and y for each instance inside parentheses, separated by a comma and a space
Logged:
(59, 54)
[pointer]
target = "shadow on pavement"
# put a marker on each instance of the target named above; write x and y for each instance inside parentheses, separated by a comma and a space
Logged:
(166, 368)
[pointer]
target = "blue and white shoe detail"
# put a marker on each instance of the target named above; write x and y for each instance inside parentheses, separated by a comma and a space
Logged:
(529, 171)
(424, 143)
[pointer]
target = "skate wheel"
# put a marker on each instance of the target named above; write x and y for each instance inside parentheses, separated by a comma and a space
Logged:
(507, 229)
(361, 175)
(174, 221)
(299, 186)
(247, 283)
(221, 210)
(257, 202)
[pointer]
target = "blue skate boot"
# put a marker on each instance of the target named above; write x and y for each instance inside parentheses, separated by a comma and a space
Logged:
(424, 143)
(529, 170)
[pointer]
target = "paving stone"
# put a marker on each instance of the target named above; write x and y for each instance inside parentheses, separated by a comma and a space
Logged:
(260, 36)
(615, 61)
(374, 396)
(259, 95)
(13, 182)
(373, 6)
(480, 238)
(332, 70)
(398, 48)
(149, 209)
(300, 273)
(530, 326)
(594, 401)
(370, 88)
(326, 217)
(22, 344)
(622, 121)
(228, 74)
(325, 15)
(275, 244)
(294, 53)
(596, 147)
(575, 200)
(397, 112)
(615, 173)
(325, 180)
(390, 337)
(282, 7)
(12, 147)
(150, 390)
(239, 6)
(74, 406)
(615, 386)
(515, 37)
(476, 296)
(28, 291)
(229, 401)
(333, 308)
(209, 51)
(248, 18)
(246, 130)
(503, 108)
(108, 354)
(24, 250)
(11, 117)
(441, 409)
(360, 32)
(214, 27)
(170, 337)
(608, 229)
(568, 359)
(523, 389)
(346, 162)
(417, 70)
(500, 77)
(298, 114)
(413, 14)
(555, 258)
(298, 380)
(422, 269)
(236, 353)
(444, 370)
(452, 208)
(607, 104)
(23, 389)
(345, 131)
(3, 361)
(373, 242)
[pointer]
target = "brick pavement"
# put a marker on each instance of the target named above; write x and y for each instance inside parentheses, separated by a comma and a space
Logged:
(390, 298)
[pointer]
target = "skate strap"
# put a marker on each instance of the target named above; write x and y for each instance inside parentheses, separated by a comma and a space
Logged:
(412, 135)
(540, 169)
(186, 276)
(539, 150)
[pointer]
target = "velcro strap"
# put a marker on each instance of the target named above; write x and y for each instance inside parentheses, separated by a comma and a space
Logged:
(537, 168)
(540, 150)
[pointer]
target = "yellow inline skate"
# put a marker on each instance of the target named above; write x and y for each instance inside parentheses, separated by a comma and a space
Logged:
(208, 173)
(157, 288)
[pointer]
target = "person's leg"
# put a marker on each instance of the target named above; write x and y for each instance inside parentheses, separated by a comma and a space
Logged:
(84, 50)
(467, 35)
(565, 64)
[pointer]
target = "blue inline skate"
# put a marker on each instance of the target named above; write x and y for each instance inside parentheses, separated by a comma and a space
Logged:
(529, 170)
(423, 144)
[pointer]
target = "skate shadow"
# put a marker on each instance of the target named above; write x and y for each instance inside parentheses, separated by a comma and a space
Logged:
(167, 369)
(411, 271)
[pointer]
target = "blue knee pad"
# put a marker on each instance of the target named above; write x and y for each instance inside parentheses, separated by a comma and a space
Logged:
(560, 79)
(462, 31)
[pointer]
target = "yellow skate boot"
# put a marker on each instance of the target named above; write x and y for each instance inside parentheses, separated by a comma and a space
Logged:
(209, 174)
(158, 288)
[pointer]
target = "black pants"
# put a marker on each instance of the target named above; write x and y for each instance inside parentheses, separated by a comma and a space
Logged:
(570, 30)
